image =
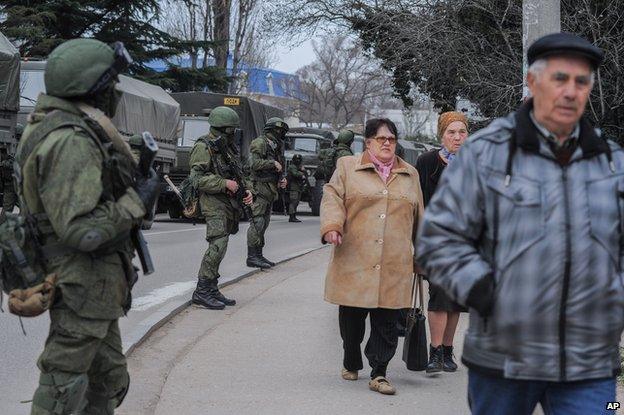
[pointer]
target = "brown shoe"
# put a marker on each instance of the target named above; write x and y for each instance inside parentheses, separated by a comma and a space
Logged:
(349, 374)
(382, 385)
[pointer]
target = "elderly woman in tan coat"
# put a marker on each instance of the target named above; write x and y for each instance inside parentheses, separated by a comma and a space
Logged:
(370, 212)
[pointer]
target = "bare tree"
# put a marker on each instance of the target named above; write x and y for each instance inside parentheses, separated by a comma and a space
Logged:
(341, 85)
(251, 46)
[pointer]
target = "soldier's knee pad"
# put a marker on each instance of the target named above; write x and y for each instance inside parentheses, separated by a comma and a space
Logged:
(106, 398)
(60, 393)
(122, 391)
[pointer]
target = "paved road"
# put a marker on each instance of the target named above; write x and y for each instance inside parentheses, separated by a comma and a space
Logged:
(277, 352)
(177, 249)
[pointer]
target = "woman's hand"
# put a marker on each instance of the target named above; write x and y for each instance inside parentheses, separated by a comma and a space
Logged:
(333, 237)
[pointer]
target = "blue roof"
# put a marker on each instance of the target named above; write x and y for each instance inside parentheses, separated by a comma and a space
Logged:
(258, 79)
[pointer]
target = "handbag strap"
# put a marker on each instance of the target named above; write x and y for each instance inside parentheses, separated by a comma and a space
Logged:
(420, 293)
(417, 290)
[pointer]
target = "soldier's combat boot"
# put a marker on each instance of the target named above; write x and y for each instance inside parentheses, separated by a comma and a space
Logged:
(204, 295)
(271, 263)
(254, 260)
(293, 218)
(219, 296)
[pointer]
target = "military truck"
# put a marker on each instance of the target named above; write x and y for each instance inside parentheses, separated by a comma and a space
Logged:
(142, 107)
(9, 92)
(307, 142)
(195, 107)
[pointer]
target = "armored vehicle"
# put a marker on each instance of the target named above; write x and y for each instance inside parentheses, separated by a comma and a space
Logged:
(308, 145)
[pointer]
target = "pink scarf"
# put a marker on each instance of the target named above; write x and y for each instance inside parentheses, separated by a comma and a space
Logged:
(383, 169)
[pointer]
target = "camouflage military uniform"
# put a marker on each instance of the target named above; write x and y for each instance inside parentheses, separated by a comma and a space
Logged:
(85, 209)
(341, 148)
(296, 182)
(221, 211)
(264, 152)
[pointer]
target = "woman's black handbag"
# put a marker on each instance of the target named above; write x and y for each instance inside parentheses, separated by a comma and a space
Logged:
(415, 344)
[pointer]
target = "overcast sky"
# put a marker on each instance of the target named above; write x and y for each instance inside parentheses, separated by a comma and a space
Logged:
(289, 60)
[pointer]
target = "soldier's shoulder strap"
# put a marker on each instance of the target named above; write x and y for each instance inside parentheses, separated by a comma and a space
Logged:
(52, 121)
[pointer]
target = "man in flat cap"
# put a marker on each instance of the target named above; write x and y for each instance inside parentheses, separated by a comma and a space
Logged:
(526, 229)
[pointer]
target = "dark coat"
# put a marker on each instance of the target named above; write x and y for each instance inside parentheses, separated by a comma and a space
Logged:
(430, 167)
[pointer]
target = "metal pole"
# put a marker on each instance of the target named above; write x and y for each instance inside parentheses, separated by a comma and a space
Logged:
(539, 18)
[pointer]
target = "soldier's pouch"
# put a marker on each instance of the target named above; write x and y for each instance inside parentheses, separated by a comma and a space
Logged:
(22, 264)
(33, 301)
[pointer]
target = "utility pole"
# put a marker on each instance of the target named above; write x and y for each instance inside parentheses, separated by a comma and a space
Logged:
(539, 18)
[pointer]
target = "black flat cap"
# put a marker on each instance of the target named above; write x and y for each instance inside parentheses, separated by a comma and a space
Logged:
(564, 44)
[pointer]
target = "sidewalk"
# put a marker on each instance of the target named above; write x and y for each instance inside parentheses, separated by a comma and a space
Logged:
(277, 352)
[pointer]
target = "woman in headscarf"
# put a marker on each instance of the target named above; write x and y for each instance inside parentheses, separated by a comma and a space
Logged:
(442, 312)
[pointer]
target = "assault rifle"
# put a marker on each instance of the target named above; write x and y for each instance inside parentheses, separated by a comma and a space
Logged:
(219, 145)
(144, 165)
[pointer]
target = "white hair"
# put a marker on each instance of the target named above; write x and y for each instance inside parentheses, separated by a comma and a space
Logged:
(537, 67)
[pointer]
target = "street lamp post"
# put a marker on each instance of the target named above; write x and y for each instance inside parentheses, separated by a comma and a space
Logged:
(539, 18)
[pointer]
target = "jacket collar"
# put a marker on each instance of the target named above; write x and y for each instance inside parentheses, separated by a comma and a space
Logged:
(47, 103)
(364, 162)
(527, 134)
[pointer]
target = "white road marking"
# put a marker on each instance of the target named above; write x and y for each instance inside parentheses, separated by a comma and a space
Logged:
(160, 295)
(176, 231)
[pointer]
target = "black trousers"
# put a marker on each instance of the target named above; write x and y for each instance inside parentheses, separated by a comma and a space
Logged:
(381, 345)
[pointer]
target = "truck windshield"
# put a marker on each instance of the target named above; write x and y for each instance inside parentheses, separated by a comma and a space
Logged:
(192, 130)
(305, 144)
(31, 85)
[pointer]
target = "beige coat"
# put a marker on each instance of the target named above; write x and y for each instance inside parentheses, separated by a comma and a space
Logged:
(373, 268)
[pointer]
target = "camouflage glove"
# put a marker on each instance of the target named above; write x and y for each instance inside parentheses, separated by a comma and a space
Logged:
(148, 189)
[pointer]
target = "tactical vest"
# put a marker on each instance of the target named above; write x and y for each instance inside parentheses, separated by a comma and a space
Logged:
(272, 154)
(116, 170)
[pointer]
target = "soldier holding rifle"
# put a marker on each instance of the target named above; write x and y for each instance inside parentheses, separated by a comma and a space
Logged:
(223, 196)
(77, 181)
(267, 174)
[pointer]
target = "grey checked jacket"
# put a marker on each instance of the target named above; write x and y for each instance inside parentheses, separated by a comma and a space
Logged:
(550, 236)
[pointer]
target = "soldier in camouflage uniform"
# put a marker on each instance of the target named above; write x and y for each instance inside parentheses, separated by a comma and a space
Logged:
(9, 198)
(296, 182)
(266, 164)
(221, 211)
(341, 148)
(76, 178)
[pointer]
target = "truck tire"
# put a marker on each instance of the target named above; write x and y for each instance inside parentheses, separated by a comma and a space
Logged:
(175, 210)
(316, 194)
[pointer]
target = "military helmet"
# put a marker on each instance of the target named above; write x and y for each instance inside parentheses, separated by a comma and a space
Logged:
(274, 123)
(223, 117)
(297, 159)
(345, 137)
(81, 67)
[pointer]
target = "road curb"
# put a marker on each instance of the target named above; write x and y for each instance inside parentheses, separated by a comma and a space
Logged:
(162, 316)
